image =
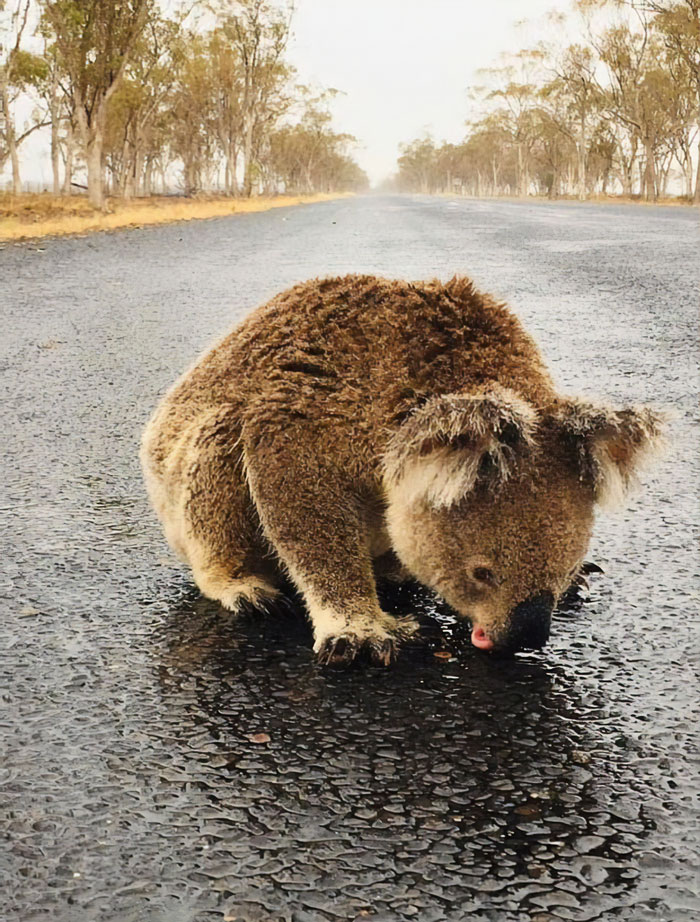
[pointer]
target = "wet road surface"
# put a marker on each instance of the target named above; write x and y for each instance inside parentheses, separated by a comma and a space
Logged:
(165, 764)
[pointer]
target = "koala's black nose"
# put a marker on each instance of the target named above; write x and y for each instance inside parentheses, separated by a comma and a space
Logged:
(530, 623)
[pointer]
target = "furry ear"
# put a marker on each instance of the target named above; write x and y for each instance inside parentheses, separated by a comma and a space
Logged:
(447, 443)
(611, 445)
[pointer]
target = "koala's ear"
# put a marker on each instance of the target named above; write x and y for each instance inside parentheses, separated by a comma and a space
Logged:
(610, 444)
(451, 440)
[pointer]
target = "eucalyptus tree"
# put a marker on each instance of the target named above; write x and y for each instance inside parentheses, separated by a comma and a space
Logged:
(417, 166)
(572, 99)
(678, 25)
(490, 155)
(636, 94)
(259, 32)
(96, 41)
(20, 70)
(55, 102)
(309, 156)
(191, 112)
(516, 93)
(133, 134)
(651, 57)
(227, 98)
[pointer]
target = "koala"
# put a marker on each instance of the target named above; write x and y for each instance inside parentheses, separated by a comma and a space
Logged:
(359, 426)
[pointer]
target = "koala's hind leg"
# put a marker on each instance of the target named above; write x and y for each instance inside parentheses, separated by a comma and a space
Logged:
(221, 535)
(313, 518)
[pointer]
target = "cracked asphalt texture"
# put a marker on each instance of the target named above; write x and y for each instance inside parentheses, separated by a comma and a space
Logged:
(167, 764)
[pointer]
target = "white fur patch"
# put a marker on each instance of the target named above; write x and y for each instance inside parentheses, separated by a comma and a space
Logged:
(611, 487)
(615, 444)
(441, 478)
(436, 453)
(614, 481)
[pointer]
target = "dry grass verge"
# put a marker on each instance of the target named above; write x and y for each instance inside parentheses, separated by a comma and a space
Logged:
(676, 200)
(25, 216)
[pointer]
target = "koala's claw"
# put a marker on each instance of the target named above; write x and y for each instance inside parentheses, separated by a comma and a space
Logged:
(337, 651)
(384, 653)
(343, 650)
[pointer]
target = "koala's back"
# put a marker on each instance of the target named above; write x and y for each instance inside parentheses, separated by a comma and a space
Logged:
(356, 354)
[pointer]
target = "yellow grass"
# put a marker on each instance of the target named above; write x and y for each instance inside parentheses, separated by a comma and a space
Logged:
(637, 200)
(23, 216)
(592, 200)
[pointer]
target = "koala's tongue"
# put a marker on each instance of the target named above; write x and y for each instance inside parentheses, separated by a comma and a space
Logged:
(479, 638)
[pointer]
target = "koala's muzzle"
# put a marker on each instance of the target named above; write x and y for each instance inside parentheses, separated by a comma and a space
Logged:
(529, 624)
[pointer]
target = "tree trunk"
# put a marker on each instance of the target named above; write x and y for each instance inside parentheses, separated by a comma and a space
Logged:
(95, 179)
(626, 177)
(92, 135)
(581, 150)
(68, 163)
(687, 166)
(11, 142)
(232, 164)
(650, 190)
(696, 197)
(14, 156)
(554, 186)
(190, 176)
(55, 133)
(146, 186)
(137, 173)
(520, 178)
(663, 172)
(247, 159)
(124, 185)
(55, 158)
(570, 185)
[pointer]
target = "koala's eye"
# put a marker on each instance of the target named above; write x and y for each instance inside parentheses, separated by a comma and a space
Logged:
(484, 575)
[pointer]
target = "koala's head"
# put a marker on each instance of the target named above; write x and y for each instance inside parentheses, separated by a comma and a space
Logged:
(491, 503)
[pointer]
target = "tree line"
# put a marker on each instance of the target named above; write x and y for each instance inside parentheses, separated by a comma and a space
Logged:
(130, 93)
(618, 111)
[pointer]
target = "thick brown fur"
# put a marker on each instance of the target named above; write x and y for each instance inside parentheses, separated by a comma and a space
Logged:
(352, 417)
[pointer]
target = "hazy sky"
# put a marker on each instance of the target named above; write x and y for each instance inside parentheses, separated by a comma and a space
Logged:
(405, 65)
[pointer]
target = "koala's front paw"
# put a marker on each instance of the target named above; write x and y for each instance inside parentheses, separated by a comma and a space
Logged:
(379, 641)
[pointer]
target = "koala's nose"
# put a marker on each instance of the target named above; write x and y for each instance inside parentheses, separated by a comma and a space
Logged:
(530, 623)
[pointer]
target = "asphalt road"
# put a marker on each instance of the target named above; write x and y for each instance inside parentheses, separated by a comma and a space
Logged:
(139, 783)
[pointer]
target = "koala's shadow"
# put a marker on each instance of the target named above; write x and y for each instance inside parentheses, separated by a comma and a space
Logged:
(439, 684)
(506, 747)
(199, 640)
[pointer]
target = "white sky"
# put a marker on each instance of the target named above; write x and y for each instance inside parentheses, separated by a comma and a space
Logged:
(405, 65)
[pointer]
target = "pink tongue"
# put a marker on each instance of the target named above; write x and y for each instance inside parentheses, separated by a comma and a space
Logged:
(480, 640)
